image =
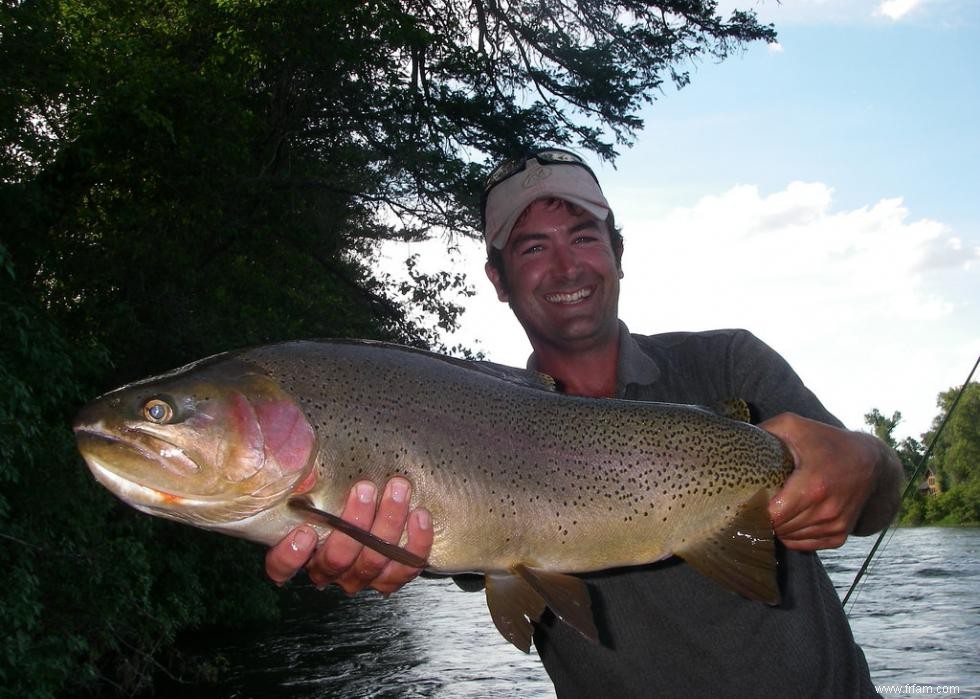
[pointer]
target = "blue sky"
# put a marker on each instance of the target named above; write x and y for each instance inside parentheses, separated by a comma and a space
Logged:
(822, 192)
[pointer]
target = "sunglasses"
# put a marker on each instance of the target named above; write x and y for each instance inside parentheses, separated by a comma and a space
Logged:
(509, 168)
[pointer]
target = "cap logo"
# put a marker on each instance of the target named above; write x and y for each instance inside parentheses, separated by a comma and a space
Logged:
(535, 174)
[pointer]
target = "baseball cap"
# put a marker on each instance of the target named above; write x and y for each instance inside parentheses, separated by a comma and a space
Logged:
(550, 172)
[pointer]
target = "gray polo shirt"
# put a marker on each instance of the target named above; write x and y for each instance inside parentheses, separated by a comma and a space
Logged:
(666, 630)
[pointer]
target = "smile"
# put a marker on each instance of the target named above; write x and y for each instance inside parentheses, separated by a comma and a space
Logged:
(572, 297)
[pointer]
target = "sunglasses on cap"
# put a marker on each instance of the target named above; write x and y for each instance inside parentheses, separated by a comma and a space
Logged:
(509, 168)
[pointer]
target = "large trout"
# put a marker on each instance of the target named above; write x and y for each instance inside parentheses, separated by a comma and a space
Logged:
(524, 484)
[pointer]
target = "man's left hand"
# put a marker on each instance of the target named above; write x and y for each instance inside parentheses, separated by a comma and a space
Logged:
(837, 473)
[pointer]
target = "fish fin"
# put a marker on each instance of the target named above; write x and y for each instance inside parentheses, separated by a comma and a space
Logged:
(520, 377)
(392, 551)
(734, 409)
(514, 605)
(566, 596)
(742, 556)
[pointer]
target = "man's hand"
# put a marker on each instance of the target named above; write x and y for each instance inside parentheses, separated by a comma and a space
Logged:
(347, 563)
(844, 482)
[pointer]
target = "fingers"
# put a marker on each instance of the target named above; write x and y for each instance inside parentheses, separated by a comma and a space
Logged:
(354, 567)
(805, 515)
(339, 552)
(287, 557)
(389, 522)
(395, 574)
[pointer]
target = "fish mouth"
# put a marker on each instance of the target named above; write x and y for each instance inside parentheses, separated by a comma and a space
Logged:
(118, 462)
(112, 457)
(570, 297)
(146, 447)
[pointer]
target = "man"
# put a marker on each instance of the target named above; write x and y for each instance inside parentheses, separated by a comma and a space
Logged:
(554, 255)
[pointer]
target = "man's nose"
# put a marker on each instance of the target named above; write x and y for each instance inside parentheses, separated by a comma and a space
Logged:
(566, 262)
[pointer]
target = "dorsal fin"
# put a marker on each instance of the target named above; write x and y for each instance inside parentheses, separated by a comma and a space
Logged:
(734, 409)
(514, 375)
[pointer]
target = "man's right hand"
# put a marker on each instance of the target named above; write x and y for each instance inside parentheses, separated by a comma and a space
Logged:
(347, 563)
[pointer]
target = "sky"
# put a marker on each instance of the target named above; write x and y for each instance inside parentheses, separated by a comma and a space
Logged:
(822, 192)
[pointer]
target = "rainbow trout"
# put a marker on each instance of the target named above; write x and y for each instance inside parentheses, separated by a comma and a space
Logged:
(525, 485)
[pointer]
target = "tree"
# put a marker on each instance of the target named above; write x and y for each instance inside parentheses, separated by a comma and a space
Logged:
(955, 460)
(956, 454)
(179, 178)
(909, 450)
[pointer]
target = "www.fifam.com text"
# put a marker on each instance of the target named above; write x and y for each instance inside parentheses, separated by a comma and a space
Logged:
(936, 689)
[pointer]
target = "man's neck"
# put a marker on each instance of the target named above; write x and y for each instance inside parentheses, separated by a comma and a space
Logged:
(589, 373)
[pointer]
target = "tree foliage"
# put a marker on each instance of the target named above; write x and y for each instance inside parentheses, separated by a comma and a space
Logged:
(957, 451)
(955, 460)
(179, 178)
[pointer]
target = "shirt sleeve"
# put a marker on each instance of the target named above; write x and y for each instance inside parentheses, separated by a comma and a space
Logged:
(768, 383)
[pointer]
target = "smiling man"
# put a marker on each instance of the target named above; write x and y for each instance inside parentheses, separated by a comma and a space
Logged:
(555, 255)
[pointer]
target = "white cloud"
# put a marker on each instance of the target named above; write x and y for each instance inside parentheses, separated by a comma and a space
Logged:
(850, 12)
(896, 9)
(775, 47)
(794, 240)
(848, 297)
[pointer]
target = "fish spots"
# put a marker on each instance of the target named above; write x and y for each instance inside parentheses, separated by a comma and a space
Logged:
(508, 462)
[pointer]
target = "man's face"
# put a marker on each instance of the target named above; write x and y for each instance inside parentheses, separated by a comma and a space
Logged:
(562, 277)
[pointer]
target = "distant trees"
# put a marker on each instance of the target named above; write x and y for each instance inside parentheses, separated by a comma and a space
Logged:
(182, 177)
(955, 460)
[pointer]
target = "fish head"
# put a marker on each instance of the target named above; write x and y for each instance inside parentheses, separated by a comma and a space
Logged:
(211, 444)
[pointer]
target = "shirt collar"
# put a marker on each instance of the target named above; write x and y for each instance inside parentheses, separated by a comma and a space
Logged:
(634, 367)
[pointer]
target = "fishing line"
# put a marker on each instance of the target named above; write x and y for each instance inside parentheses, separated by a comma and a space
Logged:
(911, 484)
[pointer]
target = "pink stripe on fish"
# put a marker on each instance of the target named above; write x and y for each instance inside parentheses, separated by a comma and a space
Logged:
(289, 437)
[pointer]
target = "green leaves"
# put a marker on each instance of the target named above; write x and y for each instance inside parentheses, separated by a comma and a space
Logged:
(954, 463)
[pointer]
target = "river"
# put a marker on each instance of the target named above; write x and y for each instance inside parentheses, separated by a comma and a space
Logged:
(917, 616)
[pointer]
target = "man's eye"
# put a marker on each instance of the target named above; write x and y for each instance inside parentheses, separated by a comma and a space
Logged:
(531, 250)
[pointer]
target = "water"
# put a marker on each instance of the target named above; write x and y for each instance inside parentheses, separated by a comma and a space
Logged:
(917, 616)
(917, 613)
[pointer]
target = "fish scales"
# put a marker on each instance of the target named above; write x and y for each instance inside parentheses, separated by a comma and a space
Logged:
(529, 464)
(524, 484)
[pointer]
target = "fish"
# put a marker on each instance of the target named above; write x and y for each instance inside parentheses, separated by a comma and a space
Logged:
(526, 485)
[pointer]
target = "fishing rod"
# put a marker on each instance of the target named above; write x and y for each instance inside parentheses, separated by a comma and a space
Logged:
(912, 480)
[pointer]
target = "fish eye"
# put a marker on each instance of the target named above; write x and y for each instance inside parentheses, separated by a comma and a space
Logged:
(158, 411)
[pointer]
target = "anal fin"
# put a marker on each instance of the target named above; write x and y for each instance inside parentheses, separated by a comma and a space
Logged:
(518, 598)
(742, 556)
(566, 596)
(513, 606)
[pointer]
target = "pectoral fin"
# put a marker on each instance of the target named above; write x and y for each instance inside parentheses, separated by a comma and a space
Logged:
(742, 556)
(392, 551)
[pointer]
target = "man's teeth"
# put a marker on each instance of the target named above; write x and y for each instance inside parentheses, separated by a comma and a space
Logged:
(569, 298)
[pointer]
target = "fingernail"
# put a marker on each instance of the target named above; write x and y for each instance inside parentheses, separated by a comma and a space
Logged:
(365, 492)
(302, 540)
(399, 490)
(424, 519)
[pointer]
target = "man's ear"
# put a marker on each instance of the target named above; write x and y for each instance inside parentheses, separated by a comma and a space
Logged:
(493, 274)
